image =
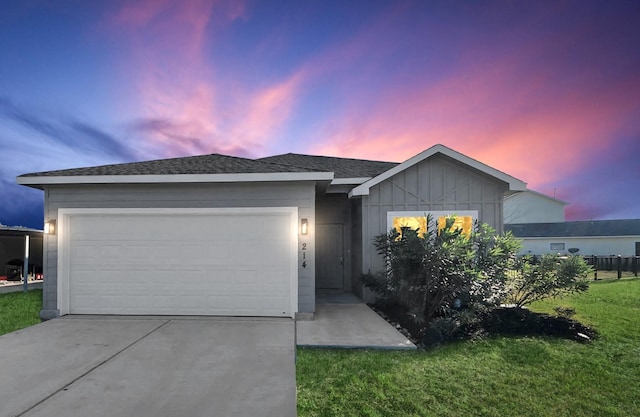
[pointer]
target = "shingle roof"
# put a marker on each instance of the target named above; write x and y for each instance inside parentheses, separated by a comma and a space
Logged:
(205, 164)
(341, 167)
(629, 227)
(21, 229)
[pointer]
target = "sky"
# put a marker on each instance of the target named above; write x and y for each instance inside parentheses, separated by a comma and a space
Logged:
(546, 91)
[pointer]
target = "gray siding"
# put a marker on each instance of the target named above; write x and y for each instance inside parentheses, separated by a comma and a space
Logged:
(438, 183)
(299, 194)
(356, 246)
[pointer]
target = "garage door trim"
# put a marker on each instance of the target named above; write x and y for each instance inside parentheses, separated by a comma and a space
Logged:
(63, 239)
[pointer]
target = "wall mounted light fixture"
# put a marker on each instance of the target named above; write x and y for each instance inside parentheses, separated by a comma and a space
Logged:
(304, 227)
(50, 227)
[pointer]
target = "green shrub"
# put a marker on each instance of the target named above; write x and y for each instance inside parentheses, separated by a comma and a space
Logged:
(550, 276)
(444, 271)
(445, 284)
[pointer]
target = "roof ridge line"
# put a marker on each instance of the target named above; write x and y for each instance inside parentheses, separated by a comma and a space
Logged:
(331, 157)
(277, 164)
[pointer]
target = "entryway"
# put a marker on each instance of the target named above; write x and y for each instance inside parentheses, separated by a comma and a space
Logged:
(342, 320)
(330, 257)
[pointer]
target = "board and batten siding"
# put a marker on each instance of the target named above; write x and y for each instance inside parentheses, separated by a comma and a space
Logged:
(201, 195)
(438, 183)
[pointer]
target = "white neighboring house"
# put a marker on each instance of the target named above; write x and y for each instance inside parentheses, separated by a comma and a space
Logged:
(596, 237)
(532, 207)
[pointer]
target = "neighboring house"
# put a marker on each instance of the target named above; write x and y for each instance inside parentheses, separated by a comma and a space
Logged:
(220, 235)
(12, 245)
(596, 237)
(532, 207)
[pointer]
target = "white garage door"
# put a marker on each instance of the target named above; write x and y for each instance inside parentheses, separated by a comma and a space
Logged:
(239, 262)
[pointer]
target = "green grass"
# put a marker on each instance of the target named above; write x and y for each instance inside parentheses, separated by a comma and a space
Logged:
(525, 376)
(19, 310)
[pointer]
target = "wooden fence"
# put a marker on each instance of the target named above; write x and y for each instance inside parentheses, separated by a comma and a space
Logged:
(618, 265)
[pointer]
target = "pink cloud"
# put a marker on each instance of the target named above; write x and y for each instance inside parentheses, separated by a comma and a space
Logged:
(267, 110)
(139, 13)
(178, 86)
(536, 145)
(518, 118)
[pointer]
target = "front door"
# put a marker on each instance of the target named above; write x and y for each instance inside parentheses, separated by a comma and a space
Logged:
(637, 248)
(330, 256)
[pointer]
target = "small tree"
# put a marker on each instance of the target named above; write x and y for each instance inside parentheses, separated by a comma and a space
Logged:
(443, 270)
(551, 276)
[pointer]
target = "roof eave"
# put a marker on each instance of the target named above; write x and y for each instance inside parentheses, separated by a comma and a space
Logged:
(555, 200)
(39, 181)
(12, 229)
(350, 181)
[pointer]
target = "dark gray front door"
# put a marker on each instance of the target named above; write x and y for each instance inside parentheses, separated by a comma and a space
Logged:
(637, 248)
(330, 256)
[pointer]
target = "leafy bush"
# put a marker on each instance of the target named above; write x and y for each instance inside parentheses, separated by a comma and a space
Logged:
(444, 271)
(445, 284)
(551, 276)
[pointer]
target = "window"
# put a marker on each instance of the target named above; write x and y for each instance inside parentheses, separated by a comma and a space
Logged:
(464, 220)
(413, 222)
(556, 246)
(461, 222)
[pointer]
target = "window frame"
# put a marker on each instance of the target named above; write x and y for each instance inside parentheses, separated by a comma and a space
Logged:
(434, 213)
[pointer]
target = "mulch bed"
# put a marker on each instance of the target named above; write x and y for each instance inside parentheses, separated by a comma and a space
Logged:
(523, 322)
(502, 321)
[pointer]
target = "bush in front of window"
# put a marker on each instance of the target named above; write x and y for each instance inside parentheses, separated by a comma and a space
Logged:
(443, 284)
(444, 272)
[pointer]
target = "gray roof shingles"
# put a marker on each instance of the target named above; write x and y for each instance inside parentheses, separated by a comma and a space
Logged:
(223, 164)
(630, 227)
(341, 167)
(204, 164)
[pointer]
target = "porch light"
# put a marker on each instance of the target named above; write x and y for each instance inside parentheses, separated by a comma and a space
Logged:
(50, 227)
(304, 227)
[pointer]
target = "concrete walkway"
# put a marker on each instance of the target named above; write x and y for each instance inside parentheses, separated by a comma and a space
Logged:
(149, 366)
(346, 324)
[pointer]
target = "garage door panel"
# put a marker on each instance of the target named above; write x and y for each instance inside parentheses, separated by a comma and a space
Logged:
(270, 255)
(210, 264)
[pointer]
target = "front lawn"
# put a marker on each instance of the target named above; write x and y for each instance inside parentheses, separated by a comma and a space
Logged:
(19, 310)
(519, 376)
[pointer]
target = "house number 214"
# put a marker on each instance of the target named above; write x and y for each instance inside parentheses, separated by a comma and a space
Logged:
(304, 255)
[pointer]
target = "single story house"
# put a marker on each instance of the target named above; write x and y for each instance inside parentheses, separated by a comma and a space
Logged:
(221, 235)
(595, 237)
(12, 248)
(532, 207)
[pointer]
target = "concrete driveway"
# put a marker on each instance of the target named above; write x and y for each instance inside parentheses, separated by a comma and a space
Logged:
(149, 366)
